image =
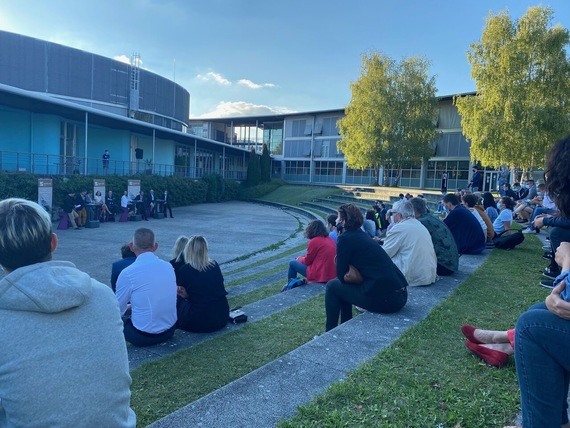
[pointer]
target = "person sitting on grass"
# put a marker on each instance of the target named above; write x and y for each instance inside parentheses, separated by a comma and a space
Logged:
(331, 224)
(464, 227)
(505, 219)
(149, 284)
(384, 287)
(202, 305)
(177, 260)
(490, 206)
(541, 345)
(542, 333)
(63, 361)
(127, 259)
(318, 264)
(469, 202)
(441, 238)
(409, 246)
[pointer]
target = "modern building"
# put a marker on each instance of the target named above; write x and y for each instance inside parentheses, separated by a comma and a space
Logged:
(305, 148)
(61, 108)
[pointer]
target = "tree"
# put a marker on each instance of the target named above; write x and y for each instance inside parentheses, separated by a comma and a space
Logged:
(253, 169)
(265, 165)
(390, 120)
(522, 75)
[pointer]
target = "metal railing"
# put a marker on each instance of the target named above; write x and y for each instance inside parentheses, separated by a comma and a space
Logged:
(45, 164)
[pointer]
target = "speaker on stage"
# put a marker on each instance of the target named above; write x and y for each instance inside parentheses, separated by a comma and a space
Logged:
(139, 153)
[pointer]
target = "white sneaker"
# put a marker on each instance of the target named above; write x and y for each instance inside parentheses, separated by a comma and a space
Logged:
(528, 230)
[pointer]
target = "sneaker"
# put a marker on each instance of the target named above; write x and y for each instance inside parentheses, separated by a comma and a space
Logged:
(528, 230)
(547, 256)
(546, 248)
(547, 283)
(549, 275)
(552, 270)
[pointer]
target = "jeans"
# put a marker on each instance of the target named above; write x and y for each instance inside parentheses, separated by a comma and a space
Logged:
(538, 211)
(295, 267)
(340, 296)
(141, 338)
(542, 350)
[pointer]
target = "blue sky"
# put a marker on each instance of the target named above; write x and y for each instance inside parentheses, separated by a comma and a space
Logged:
(267, 56)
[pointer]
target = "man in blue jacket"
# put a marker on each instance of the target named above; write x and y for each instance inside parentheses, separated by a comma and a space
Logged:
(464, 227)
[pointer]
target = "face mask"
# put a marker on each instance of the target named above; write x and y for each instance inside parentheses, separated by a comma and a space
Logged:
(499, 206)
(517, 189)
(539, 193)
(392, 219)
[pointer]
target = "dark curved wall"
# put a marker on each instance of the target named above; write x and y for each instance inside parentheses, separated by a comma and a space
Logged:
(41, 66)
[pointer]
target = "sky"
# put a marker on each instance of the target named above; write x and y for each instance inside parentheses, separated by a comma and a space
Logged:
(256, 57)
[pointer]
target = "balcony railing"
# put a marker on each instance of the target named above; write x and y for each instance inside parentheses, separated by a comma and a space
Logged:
(44, 164)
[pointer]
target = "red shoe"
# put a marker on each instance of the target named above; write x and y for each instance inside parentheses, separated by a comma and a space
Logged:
(490, 356)
(468, 331)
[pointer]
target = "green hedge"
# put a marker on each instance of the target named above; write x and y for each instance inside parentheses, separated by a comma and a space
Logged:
(183, 191)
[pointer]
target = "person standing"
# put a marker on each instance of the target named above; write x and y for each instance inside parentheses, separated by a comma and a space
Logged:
(64, 360)
(167, 205)
(476, 183)
(444, 183)
(149, 284)
(106, 157)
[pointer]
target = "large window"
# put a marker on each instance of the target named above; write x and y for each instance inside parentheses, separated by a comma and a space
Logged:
(457, 174)
(452, 145)
(409, 176)
(297, 170)
(297, 148)
(360, 176)
(328, 172)
(329, 126)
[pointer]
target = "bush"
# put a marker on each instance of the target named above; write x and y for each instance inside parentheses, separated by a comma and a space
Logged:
(248, 193)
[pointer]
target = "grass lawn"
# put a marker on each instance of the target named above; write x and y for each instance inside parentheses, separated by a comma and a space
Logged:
(292, 195)
(428, 378)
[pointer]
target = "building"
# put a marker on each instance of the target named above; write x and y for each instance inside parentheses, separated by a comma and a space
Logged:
(61, 108)
(304, 148)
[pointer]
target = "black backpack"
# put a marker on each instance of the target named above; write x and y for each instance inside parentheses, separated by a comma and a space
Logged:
(509, 239)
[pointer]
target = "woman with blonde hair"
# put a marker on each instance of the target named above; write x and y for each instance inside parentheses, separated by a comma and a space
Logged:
(202, 305)
(177, 260)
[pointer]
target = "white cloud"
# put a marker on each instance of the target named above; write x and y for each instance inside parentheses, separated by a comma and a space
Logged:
(251, 85)
(214, 77)
(242, 108)
(122, 58)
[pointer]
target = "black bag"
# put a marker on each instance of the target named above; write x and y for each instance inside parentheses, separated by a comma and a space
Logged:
(237, 315)
(509, 239)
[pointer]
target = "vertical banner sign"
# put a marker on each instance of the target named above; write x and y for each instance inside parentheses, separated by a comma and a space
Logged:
(99, 185)
(45, 191)
(134, 189)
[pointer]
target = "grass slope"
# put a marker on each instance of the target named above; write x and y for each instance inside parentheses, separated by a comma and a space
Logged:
(428, 378)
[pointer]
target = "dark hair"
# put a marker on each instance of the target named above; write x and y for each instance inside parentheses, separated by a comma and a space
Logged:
(452, 198)
(488, 200)
(351, 215)
(126, 251)
(316, 228)
(507, 184)
(419, 205)
(557, 175)
(508, 201)
(470, 200)
(331, 219)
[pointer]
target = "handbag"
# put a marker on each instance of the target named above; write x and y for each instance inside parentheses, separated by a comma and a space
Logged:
(353, 276)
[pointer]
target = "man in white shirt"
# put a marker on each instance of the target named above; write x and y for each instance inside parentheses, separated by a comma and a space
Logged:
(409, 245)
(149, 284)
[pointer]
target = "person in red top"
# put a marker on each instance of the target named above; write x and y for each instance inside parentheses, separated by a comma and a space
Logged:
(318, 264)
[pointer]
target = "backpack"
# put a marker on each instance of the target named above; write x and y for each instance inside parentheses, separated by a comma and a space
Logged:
(508, 241)
(293, 283)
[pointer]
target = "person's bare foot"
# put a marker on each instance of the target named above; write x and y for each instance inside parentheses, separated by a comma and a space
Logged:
(490, 336)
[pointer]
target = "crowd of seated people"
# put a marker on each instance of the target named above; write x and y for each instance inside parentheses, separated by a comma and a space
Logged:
(540, 340)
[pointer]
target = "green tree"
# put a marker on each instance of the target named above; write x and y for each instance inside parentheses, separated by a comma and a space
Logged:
(522, 75)
(265, 165)
(390, 120)
(253, 169)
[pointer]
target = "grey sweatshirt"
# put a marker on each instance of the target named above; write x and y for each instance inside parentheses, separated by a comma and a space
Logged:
(63, 358)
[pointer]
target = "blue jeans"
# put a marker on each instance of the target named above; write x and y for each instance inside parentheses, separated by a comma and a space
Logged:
(538, 211)
(295, 267)
(542, 356)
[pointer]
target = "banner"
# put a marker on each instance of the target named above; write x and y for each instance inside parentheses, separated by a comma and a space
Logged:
(99, 185)
(134, 189)
(45, 192)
